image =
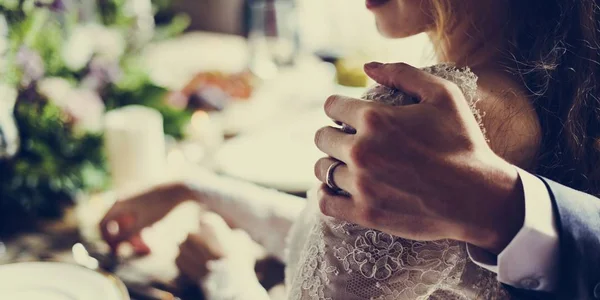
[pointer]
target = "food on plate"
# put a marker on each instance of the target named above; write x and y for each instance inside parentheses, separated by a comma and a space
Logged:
(237, 86)
(212, 91)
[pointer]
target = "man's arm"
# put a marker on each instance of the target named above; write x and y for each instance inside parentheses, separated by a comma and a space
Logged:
(426, 172)
(530, 260)
(576, 271)
(578, 223)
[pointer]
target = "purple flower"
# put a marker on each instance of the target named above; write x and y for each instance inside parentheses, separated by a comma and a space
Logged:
(85, 107)
(31, 64)
(55, 5)
(210, 98)
(101, 73)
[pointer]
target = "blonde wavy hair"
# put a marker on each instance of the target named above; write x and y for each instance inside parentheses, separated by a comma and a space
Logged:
(554, 50)
(442, 15)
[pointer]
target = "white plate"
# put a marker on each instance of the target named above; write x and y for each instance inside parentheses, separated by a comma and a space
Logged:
(55, 281)
(281, 157)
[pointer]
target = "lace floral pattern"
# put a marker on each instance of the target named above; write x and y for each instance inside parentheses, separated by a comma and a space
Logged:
(393, 267)
(339, 260)
(375, 255)
(308, 281)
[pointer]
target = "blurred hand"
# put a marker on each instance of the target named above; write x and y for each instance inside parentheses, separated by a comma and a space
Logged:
(422, 171)
(126, 219)
(214, 241)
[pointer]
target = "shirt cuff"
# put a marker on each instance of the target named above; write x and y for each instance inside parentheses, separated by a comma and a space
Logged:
(530, 261)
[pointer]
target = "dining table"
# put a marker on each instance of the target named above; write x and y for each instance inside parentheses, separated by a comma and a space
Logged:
(152, 277)
(149, 277)
(272, 147)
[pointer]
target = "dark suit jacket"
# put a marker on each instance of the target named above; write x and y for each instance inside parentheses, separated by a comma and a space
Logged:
(578, 222)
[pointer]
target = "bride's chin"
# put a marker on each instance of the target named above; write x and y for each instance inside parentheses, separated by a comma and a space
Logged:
(390, 32)
(384, 30)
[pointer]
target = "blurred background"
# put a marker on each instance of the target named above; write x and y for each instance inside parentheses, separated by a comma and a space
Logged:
(100, 98)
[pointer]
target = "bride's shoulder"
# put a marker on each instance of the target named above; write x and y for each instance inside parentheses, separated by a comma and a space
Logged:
(509, 116)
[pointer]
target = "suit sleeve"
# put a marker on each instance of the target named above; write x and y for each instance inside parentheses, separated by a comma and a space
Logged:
(578, 222)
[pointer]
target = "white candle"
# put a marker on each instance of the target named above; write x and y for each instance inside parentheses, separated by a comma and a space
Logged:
(204, 135)
(135, 147)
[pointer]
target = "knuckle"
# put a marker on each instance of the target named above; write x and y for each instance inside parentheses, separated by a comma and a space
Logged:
(380, 204)
(317, 170)
(359, 154)
(320, 168)
(370, 216)
(401, 67)
(371, 118)
(323, 207)
(330, 103)
(319, 135)
(447, 90)
(363, 187)
(323, 202)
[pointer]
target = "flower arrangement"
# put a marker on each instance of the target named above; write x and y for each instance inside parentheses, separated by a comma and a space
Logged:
(63, 63)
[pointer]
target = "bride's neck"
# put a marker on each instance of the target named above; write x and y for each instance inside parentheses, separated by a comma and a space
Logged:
(475, 39)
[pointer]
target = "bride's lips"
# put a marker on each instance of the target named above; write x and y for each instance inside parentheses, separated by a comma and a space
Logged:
(376, 3)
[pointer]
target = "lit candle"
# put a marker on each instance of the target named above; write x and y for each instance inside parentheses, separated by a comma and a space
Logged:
(205, 131)
(135, 147)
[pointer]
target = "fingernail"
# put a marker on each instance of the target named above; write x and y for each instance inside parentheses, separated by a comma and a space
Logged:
(373, 65)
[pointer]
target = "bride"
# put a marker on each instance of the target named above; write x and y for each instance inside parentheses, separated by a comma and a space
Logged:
(505, 55)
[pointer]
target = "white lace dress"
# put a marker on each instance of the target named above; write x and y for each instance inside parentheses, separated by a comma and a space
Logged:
(330, 259)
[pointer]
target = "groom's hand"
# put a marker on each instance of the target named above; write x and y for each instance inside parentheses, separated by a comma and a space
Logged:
(422, 171)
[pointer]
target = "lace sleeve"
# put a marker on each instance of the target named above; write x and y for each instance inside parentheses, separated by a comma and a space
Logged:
(266, 215)
(227, 280)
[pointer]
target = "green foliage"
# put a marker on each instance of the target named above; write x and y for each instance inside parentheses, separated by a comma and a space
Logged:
(178, 24)
(111, 12)
(52, 165)
(137, 89)
(56, 161)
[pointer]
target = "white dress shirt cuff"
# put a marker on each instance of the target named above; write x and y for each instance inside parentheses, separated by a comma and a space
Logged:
(530, 260)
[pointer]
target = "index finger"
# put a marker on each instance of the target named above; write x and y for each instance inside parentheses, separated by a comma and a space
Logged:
(345, 109)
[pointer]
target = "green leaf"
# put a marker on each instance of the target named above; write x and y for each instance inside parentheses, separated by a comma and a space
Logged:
(178, 25)
(52, 163)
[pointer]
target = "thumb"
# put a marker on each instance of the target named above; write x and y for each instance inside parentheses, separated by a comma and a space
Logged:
(414, 82)
(382, 73)
(139, 245)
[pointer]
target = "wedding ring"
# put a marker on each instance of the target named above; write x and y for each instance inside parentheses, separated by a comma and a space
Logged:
(345, 128)
(329, 178)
